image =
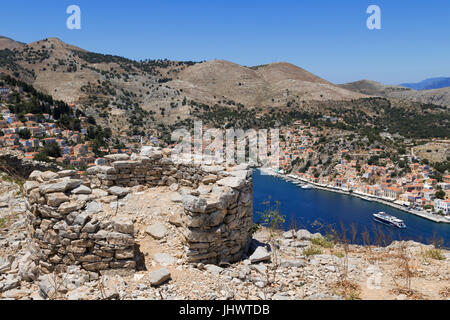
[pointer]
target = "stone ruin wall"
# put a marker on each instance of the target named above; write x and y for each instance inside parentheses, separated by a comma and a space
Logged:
(69, 227)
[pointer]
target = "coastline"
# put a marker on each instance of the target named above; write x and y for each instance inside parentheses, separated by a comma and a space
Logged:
(425, 215)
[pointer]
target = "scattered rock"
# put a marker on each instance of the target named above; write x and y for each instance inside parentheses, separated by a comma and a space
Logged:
(303, 235)
(119, 191)
(82, 190)
(213, 269)
(157, 231)
(123, 224)
(260, 254)
(232, 182)
(176, 219)
(164, 259)
(176, 197)
(158, 277)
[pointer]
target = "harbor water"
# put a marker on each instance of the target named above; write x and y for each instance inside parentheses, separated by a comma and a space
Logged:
(324, 211)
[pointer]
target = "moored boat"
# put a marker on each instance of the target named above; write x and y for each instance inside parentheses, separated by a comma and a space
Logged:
(389, 220)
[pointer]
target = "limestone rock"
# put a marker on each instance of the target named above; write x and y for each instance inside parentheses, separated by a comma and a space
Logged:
(211, 268)
(164, 259)
(82, 190)
(28, 270)
(93, 207)
(35, 175)
(119, 191)
(117, 157)
(49, 175)
(194, 204)
(303, 235)
(289, 234)
(123, 224)
(260, 254)
(157, 231)
(158, 277)
(55, 199)
(232, 182)
(176, 197)
(175, 219)
(297, 263)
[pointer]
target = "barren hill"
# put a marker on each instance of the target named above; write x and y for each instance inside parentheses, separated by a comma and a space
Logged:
(123, 93)
(134, 97)
(273, 84)
(7, 43)
(435, 96)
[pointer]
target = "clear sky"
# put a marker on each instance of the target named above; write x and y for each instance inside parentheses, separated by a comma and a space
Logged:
(326, 37)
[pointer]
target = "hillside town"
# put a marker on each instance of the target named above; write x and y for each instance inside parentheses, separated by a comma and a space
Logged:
(355, 172)
(413, 186)
(29, 132)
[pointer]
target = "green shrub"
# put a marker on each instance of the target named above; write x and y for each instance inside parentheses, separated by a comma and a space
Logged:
(311, 251)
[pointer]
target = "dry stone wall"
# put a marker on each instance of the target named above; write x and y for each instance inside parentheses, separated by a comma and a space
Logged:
(69, 227)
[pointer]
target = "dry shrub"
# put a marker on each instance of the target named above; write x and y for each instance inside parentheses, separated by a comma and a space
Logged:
(410, 293)
(445, 292)
(347, 289)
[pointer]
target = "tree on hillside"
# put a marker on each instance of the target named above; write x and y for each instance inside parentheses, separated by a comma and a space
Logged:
(25, 133)
(52, 150)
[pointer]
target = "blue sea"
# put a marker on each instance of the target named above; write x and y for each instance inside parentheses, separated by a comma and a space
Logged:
(329, 212)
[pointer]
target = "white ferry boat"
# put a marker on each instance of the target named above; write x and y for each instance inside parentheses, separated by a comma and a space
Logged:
(389, 220)
(307, 187)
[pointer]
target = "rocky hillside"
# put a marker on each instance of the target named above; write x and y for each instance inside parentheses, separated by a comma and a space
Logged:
(140, 97)
(7, 43)
(269, 85)
(123, 93)
(292, 265)
(436, 96)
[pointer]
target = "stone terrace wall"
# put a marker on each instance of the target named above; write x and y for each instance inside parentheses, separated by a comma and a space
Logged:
(69, 227)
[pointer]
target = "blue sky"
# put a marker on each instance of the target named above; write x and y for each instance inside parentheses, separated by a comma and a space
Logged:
(326, 37)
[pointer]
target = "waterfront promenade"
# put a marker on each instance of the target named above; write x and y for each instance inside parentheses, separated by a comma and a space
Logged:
(422, 214)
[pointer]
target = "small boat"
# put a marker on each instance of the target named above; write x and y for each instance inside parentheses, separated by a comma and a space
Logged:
(307, 187)
(389, 220)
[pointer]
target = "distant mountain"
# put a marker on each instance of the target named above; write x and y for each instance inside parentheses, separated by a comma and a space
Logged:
(436, 96)
(428, 84)
(373, 88)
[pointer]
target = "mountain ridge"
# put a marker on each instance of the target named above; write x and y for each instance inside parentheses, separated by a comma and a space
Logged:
(123, 89)
(429, 84)
(435, 96)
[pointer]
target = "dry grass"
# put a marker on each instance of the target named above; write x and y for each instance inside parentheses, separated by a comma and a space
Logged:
(4, 223)
(321, 242)
(347, 289)
(311, 251)
(410, 293)
(445, 292)
(434, 254)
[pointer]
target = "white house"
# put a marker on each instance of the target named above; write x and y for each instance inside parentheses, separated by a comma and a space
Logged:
(442, 205)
